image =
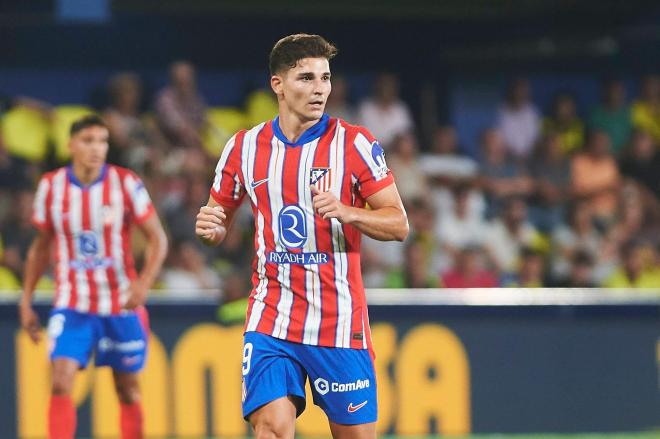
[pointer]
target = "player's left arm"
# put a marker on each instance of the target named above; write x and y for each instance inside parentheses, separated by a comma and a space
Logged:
(155, 252)
(385, 221)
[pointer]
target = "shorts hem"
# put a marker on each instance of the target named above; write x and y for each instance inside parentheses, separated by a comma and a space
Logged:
(256, 406)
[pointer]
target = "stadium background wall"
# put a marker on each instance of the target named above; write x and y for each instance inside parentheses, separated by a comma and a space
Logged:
(441, 369)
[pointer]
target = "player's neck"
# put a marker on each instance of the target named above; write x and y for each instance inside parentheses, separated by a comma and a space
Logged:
(84, 174)
(293, 127)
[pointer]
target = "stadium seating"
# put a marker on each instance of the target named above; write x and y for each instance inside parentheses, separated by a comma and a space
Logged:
(25, 133)
(223, 123)
(260, 105)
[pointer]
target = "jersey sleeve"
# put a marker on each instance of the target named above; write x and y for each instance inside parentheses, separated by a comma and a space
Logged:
(40, 213)
(369, 165)
(138, 199)
(228, 187)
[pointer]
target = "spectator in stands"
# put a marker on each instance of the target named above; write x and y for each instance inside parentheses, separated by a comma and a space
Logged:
(416, 271)
(17, 233)
(501, 177)
(552, 183)
(646, 110)
(181, 109)
(133, 142)
(384, 113)
(338, 104)
(519, 120)
(530, 272)
(579, 235)
(633, 273)
(235, 294)
(581, 272)
(595, 178)
(469, 271)
(564, 120)
(613, 115)
(458, 228)
(403, 161)
(641, 162)
(187, 273)
(508, 234)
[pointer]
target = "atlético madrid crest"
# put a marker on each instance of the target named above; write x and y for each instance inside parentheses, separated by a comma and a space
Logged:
(321, 178)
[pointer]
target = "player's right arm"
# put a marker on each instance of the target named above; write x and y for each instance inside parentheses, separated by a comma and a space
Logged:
(213, 222)
(38, 258)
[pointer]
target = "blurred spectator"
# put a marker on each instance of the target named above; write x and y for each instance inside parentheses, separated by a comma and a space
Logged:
(641, 162)
(552, 174)
(187, 273)
(403, 161)
(458, 228)
(235, 294)
(384, 113)
(501, 176)
(519, 120)
(132, 140)
(416, 271)
(338, 104)
(646, 110)
(581, 272)
(579, 235)
(18, 232)
(633, 273)
(564, 121)
(508, 234)
(595, 178)
(469, 271)
(613, 115)
(530, 272)
(180, 108)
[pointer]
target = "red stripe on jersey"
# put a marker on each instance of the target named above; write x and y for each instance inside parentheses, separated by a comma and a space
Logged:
(107, 239)
(260, 172)
(86, 226)
(298, 310)
(66, 226)
(126, 227)
(328, 329)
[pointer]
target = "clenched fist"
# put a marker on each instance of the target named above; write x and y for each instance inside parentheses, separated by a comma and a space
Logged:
(210, 226)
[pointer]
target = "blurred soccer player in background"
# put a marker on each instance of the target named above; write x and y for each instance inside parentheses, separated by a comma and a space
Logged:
(309, 178)
(86, 210)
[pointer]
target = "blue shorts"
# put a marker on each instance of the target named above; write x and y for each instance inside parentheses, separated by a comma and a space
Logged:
(343, 380)
(119, 341)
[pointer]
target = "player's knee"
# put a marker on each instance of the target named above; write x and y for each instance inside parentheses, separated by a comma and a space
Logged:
(127, 392)
(62, 383)
(272, 427)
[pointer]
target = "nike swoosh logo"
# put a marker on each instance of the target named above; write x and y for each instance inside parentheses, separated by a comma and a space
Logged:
(258, 182)
(354, 408)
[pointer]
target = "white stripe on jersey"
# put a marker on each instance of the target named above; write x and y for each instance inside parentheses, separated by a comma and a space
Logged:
(62, 269)
(364, 147)
(248, 161)
(275, 193)
(40, 209)
(217, 181)
(96, 224)
(76, 228)
(344, 299)
(312, 271)
(117, 251)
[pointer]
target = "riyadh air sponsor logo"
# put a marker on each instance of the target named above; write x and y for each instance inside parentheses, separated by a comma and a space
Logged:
(354, 408)
(107, 344)
(298, 258)
(293, 226)
(88, 243)
(323, 386)
(257, 183)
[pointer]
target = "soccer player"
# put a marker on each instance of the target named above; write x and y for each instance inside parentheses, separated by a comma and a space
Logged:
(86, 211)
(309, 178)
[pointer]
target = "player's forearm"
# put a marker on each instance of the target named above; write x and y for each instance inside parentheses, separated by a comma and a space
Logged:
(37, 260)
(155, 252)
(383, 224)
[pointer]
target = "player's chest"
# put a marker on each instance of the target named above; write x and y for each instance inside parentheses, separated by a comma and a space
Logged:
(76, 211)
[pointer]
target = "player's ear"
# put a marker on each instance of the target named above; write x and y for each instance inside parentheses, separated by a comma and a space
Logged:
(276, 83)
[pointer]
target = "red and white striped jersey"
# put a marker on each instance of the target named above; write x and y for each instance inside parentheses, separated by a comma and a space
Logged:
(307, 283)
(91, 225)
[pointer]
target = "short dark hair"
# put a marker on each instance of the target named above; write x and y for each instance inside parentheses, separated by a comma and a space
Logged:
(289, 50)
(89, 120)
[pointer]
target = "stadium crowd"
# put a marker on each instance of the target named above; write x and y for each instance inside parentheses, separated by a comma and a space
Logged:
(554, 199)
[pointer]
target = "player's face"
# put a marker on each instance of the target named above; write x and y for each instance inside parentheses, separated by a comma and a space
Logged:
(89, 147)
(304, 89)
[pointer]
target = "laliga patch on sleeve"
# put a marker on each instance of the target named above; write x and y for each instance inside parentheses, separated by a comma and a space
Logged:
(378, 155)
